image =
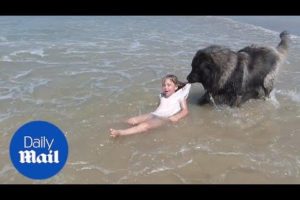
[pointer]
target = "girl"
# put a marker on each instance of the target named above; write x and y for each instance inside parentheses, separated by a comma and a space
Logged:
(172, 107)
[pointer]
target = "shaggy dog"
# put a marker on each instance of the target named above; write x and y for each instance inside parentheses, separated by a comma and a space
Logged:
(231, 77)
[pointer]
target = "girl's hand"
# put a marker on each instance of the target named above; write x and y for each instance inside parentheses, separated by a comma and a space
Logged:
(131, 121)
(173, 119)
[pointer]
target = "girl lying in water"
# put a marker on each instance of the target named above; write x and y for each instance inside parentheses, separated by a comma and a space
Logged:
(172, 107)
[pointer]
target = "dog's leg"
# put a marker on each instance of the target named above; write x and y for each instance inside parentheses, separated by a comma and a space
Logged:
(269, 81)
(249, 95)
(268, 90)
(262, 93)
(211, 100)
(237, 101)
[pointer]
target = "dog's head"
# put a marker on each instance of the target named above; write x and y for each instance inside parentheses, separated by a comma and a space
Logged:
(203, 69)
(212, 67)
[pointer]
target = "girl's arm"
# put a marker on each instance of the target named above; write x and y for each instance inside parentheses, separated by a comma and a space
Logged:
(184, 112)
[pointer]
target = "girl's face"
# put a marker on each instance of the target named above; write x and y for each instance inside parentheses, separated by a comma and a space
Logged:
(169, 87)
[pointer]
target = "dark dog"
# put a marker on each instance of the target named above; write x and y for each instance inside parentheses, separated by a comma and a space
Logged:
(231, 77)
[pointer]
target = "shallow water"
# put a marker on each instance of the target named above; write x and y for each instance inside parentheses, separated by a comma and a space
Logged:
(87, 74)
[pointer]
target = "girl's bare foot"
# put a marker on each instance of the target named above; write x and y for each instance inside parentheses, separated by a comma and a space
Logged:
(114, 133)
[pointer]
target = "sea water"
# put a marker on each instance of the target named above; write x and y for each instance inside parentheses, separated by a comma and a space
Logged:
(87, 74)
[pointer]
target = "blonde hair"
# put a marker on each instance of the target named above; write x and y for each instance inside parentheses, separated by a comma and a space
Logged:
(175, 80)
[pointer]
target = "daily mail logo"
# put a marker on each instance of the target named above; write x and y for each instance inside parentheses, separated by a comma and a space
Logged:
(36, 143)
(39, 150)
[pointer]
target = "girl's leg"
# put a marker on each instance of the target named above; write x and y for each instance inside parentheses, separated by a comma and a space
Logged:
(138, 119)
(142, 127)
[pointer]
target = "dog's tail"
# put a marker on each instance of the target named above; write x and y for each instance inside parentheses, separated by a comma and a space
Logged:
(282, 49)
(283, 45)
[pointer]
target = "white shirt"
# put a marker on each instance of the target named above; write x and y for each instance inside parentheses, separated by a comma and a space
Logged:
(171, 105)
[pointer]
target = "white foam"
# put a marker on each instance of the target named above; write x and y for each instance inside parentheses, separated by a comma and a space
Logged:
(227, 153)
(292, 94)
(94, 167)
(36, 83)
(203, 147)
(39, 52)
(3, 39)
(21, 89)
(4, 116)
(135, 45)
(252, 26)
(18, 52)
(78, 163)
(22, 74)
(81, 71)
(291, 72)
(71, 51)
(185, 163)
(8, 96)
(6, 59)
(159, 169)
(257, 27)
(273, 99)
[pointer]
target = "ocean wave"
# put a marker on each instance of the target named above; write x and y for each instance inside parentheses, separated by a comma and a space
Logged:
(135, 45)
(21, 89)
(293, 95)
(81, 71)
(6, 59)
(22, 74)
(39, 52)
(3, 39)
(273, 163)
(4, 116)
(251, 26)
(95, 167)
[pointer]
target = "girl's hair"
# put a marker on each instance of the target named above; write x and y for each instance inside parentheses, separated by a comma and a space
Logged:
(175, 80)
